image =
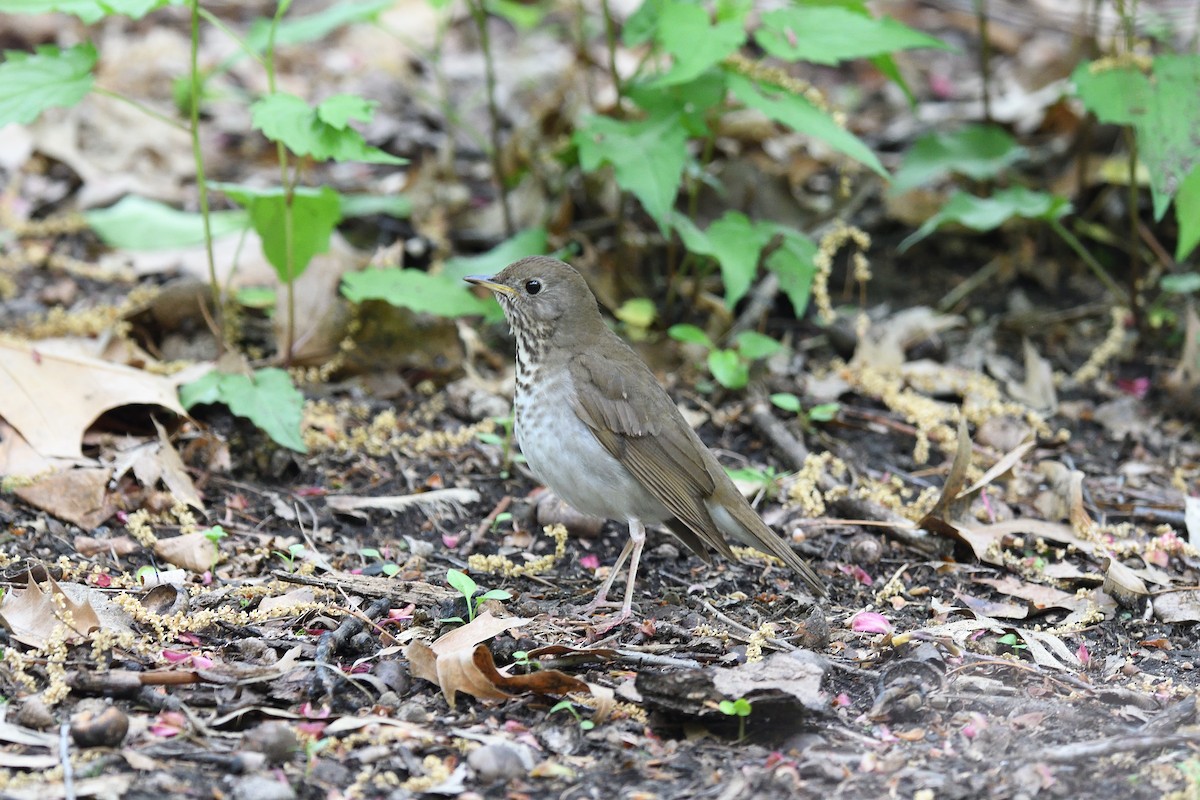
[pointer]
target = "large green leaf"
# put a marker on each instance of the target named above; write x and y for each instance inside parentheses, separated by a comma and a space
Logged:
(268, 398)
(827, 35)
(1187, 212)
(442, 295)
(530, 242)
(322, 132)
(977, 151)
(136, 223)
(735, 242)
(647, 157)
(803, 117)
(694, 40)
(1163, 109)
(315, 213)
(794, 263)
(989, 213)
(315, 26)
(89, 11)
(30, 83)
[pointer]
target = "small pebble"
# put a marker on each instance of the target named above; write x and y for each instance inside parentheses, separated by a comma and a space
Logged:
(275, 740)
(261, 787)
(499, 762)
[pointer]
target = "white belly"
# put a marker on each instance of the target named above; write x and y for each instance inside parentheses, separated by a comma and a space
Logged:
(564, 454)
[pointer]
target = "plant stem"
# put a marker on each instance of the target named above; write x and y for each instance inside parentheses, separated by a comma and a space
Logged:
(202, 183)
(142, 107)
(479, 13)
(610, 39)
(984, 54)
(1095, 266)
(289, 189)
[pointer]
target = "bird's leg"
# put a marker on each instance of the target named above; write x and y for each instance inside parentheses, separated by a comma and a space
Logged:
(637, 539)
(601, 598)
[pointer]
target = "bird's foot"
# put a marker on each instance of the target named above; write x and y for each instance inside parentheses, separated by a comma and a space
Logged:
(609, 624)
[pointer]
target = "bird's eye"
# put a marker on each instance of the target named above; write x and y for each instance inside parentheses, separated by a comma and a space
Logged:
(533, 286)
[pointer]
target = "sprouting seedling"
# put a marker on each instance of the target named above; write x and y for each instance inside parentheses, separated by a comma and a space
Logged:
(388, 568)
(468, 588)
(729, 366)
(504, 442)
(568, 706)
(521, 659)
(822, 412)
(294, 551)
(739, 708)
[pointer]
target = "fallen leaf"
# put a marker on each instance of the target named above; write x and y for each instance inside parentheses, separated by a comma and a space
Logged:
(1181, 606)
(78, 496)
(33, 615)
(191, 551)
(53, 421)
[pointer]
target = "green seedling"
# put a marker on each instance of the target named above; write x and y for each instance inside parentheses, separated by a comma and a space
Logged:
(294, 551)
(739, 708)
(569, 707)
(504, 442)
(729, 366)
(468, 589)
(822, 412)
(388, 568)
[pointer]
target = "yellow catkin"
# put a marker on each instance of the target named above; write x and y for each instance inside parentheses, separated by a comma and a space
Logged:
(1107, 349)
(497, 564)
(754, 645)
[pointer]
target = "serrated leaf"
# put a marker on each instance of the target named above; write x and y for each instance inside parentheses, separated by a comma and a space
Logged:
(285, 118)
(694, 40)
(1160, 106)
(977, 151)
(728, 369)
(315, 213)
(803, 117)
(442, 295)
(137, 223)
(827, 35)
(647, 157)
(30, 83)
(734, 241)
(268, 398)
(989, 213)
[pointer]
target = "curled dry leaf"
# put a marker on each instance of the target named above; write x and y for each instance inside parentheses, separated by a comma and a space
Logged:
(78, 496)
(33, 615)
(457, 662)
(1122, 583)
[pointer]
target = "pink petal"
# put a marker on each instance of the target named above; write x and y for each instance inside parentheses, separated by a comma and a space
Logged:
(870, 622)
(590, 561)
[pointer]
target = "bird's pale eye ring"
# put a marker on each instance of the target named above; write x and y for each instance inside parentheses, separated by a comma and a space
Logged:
(533, 286)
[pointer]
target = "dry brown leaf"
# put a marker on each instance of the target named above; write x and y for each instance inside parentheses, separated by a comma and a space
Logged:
(19, 459)
(191, 551)
(1038, 596)
(1037, 391)
(1123, 583)
(453, 672)
(79, 496)
(54, 420)
(174, 474)
(1181, 606)
(33, 615)
(992, 608)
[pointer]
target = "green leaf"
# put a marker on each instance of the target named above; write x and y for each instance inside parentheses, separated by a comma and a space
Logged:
(786, 401)
(321, 133)
(268, 398)
(1187, 213)
(693, 102)
(315, 213)
(726, 707)
(494, 594)
(532, 242)
(1181, 283)
(442, 295)
(728, 368)
(823, 412)
(736, 243)
(1160, 106)
(690, 36)
(519, 14)
(462, 582)
(366, 205)
(30, 83)
(802, 116)
(90, 11)
(977, 151)
(754, 345)
(137, 223)
(638, 312)
(647, 157)
(690, 334)
(828, 35)
(259, 297)
(793, 263)
(315, 26)
(989, 213)
(369, 552)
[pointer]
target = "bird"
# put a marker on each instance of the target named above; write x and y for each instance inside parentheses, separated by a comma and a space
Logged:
(598, 429)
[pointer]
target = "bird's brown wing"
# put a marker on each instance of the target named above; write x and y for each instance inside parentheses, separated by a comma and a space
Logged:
(642, 428)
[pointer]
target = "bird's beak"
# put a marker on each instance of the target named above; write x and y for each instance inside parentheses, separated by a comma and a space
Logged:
(487, 283)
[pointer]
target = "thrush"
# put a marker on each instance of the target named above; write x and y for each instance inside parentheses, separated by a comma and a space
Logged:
(597, 428)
